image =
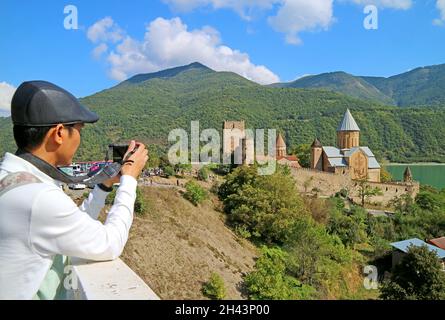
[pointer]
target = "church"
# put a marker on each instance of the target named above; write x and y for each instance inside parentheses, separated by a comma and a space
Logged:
(348, 157)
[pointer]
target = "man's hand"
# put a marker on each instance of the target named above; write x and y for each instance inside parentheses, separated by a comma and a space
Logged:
(110, 182)
(135, 163)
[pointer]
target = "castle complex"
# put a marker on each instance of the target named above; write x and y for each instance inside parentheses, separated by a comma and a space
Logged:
(332, 169)
(348, 157)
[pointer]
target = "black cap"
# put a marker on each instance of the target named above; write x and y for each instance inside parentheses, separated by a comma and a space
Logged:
(42, 104)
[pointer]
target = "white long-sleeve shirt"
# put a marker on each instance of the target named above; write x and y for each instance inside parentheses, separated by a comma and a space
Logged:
(39, 221)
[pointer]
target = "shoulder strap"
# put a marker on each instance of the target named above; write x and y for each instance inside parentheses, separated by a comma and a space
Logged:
(15, 180)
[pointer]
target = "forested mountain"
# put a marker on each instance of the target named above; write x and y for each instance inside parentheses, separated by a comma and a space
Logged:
(419, 87)
(147, 107)
(343, 83)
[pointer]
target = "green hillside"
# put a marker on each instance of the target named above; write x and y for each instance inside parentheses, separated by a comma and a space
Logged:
(343, 83)
(149, 109)
(419, 87)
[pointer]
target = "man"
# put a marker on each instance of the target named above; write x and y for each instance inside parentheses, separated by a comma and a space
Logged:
(39, 223)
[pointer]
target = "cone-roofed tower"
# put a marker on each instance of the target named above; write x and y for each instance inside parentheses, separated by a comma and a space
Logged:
(348, 132)
(408, 176)
(281, 146)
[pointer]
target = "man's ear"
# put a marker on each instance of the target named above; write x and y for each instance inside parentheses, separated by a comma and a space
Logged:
(58, 134)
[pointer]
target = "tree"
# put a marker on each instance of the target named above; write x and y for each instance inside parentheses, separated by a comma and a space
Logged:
(266, 205)
(419, 276)
(385, 175)
(270, 281)
(303, 152)
(428, 201)
(350, 228)
(312, 251)
(366, 191)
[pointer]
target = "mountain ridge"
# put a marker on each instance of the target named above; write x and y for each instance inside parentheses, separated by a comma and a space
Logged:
(418, 87)
(152, 106)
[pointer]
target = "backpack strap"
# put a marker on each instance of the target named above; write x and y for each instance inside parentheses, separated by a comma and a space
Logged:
(17, 179)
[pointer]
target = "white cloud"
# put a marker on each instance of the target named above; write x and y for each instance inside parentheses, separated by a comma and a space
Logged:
(6, 93)
(441, 6)
(391, 4)
(169, 43)
(105, 30)
(100, 50)
(296, 16)
(292, 16)
(243, 7)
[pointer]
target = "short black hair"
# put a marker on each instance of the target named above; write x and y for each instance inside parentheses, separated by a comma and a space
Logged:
(32, 137)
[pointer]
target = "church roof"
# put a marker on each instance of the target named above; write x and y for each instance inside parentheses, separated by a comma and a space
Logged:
(316, 144)
(338, 159)
(332, 152)
(280, 141)
(366, 150)
(348, 123)
(337, 162)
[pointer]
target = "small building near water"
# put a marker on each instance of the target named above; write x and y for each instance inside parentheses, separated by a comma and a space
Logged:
(401, 249)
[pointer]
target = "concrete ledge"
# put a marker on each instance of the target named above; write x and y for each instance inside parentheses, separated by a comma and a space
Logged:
(111, 280)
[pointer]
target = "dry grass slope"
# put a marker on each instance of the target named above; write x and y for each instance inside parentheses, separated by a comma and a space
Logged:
(176, 246)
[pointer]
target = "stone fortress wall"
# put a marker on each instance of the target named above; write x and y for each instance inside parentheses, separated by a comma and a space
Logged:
(327, 184)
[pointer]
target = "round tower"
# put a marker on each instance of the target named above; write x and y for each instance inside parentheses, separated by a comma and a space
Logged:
(348, 132)
(316, 155)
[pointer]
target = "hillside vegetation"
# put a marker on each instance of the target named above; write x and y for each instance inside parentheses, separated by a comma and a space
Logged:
(148, 107)
(419, 87)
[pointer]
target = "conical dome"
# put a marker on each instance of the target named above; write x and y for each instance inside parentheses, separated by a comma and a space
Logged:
(348, 123)
(280, 141)
(408, 176)
(316, 144)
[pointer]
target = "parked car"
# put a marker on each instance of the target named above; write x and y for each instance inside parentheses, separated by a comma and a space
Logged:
(77, 186)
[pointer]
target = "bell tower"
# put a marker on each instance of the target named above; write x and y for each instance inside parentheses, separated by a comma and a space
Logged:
(317, 155)
(348, 132)
(281, 146)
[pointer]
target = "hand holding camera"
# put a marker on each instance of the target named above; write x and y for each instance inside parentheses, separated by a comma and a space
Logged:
(135, 159)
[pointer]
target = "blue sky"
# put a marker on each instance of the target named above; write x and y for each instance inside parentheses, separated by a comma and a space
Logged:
(264, 40)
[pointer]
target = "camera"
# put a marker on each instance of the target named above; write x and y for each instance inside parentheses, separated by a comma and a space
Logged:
(117, 152)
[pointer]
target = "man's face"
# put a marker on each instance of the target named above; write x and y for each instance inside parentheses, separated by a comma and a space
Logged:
(71, 142)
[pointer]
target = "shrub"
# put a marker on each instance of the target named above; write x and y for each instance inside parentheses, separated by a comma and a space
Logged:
(169, 171)
(203, 174)
(139, 204)
(195, 193)
(214, 288)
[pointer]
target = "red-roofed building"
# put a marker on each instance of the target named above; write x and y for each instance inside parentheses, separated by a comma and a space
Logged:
(439, 242)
